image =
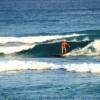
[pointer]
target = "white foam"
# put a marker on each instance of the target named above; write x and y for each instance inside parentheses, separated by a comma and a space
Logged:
(91, 49)
(82, 40)
(14, 65)
(33, 39)
(86, 39)
(84, 67)
(14, 49)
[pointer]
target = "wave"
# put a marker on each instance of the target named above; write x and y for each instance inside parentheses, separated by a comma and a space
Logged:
(92, 49)
(83, 48)
(46, 46)
(17, 65)
(9, 45)
(33, 39)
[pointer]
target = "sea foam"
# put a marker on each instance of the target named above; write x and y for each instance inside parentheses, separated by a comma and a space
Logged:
(17, 65)
(33, 39)
(92, 49)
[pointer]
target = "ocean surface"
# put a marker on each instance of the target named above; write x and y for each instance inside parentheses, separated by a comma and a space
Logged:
(30, 36)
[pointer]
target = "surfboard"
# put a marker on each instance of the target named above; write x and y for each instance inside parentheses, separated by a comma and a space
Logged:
(59, 56)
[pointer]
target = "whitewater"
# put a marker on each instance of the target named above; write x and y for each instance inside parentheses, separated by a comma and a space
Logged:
(92, 49)
(81, 47)
(12, 45)
(33, 39)
(17, 65)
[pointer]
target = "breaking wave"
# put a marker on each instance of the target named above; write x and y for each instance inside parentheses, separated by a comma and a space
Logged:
(46, 46)
(91, 49)
(14, 49)
(33, 39)
(9, 45)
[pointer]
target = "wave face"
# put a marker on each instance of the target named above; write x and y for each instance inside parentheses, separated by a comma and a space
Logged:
(81, 44)
(9, 45)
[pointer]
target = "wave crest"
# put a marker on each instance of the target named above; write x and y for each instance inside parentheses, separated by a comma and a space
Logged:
(33, 39)
(14, 49)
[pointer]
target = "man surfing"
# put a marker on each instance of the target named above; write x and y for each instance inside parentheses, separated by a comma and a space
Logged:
(64, 46)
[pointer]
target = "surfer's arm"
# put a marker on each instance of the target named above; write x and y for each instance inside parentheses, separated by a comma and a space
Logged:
(67, 44)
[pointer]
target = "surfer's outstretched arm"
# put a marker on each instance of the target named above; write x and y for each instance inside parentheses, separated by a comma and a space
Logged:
(67, 44)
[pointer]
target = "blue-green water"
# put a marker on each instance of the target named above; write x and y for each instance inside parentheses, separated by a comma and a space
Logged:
(49, 85)
(30, 34)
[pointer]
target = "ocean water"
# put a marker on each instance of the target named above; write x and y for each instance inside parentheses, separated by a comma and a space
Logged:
(30, 34)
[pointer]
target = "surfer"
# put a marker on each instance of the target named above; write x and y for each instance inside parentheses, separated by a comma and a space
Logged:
(64, 46)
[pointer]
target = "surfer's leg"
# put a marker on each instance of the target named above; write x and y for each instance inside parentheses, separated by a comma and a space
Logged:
(62, 51)
(65, 50)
